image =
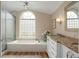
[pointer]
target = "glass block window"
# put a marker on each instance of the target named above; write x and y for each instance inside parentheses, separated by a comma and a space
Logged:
(72, 20)
(27, 26)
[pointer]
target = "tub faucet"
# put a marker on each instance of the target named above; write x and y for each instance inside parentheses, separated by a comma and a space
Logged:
(38, 40)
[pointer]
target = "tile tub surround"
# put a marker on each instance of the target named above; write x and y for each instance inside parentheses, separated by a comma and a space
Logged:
(67, 41)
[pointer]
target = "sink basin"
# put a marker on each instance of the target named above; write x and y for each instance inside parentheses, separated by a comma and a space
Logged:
(74, 43)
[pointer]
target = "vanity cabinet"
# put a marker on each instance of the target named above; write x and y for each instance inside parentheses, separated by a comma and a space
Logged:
(53, 48)
(58, 50)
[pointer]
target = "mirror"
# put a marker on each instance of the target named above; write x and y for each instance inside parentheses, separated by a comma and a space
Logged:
(72, 16)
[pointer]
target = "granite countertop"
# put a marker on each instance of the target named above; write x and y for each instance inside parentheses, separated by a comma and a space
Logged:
(68, 42)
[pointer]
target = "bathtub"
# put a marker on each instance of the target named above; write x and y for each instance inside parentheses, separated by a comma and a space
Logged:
(27, 46)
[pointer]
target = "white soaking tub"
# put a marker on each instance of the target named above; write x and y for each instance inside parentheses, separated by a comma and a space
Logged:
(27, 46)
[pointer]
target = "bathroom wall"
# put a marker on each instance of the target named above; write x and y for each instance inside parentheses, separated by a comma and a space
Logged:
(42, 23)
(60, 28)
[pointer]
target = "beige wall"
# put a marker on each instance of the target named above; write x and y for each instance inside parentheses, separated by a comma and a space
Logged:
(60, 28)
(42, 23)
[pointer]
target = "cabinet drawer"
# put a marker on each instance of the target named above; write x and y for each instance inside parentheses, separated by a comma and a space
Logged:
(52, 41)
(54, 47)
(51, 53)
(52, 50)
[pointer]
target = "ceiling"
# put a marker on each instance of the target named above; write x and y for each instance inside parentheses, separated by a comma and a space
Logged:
(41, 6)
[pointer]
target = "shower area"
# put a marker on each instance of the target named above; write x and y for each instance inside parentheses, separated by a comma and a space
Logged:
(8, 26)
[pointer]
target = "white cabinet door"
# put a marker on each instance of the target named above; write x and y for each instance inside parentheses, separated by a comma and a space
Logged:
(65, 50)
(59, 50)
(68, 53)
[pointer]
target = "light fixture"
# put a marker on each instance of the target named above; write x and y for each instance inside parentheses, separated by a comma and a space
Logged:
(26, 5)
(58, 20)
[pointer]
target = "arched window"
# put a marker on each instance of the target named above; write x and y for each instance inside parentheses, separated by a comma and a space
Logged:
(27, 25)
(71, 14)
(72, 20)
(27, 15)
